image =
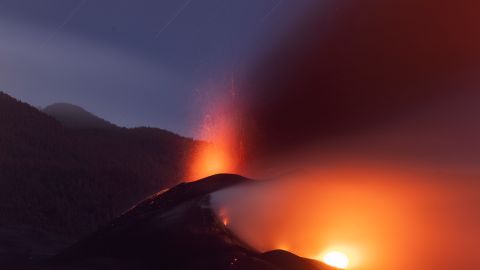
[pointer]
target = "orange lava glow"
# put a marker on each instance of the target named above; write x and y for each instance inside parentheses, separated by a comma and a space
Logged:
(223, 216)
(336, 259)
(216, 155)
(377, 219)
(221, 152)
(210, 159)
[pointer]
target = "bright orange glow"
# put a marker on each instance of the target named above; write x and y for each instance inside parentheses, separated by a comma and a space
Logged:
(212, 158)
(380, 219)
(336, 259)
(216, 155)
(225, 221)
(222, 151)
(223, 217)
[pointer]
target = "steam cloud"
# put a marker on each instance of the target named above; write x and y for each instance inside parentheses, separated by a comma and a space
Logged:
(382, 217)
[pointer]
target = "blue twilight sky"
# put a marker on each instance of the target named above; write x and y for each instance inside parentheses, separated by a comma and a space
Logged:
(135, 62)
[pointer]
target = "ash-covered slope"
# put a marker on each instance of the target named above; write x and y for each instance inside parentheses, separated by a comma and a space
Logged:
(176, 229)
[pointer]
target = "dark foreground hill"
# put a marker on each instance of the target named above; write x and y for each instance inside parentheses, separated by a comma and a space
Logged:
(176, 229)
(66, 182)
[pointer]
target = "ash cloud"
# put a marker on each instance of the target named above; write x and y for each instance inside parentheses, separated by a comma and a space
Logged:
(353, 66)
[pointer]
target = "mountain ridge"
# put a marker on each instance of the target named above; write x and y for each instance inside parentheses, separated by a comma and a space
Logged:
(76, 117)
(69, 182)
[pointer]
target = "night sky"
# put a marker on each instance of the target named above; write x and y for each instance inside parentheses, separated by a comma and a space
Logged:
(135, 63)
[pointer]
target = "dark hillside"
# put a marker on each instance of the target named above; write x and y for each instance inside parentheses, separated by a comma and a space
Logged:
(177, 229)
(69, 181)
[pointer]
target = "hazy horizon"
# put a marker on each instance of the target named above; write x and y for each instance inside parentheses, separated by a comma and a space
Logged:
(143, 63)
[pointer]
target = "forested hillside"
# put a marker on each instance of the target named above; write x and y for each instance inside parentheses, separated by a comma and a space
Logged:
(71, 181)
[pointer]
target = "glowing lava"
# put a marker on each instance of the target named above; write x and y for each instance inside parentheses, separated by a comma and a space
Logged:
(220, 154)
(209, 159)
(223, 216)
(222, 151)
(336, 259)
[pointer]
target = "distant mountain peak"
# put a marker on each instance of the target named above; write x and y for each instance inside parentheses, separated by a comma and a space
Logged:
(76, 117)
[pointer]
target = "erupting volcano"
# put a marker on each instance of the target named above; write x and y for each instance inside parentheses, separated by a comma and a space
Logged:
(351, 140)
(222, 151)
(174, 225)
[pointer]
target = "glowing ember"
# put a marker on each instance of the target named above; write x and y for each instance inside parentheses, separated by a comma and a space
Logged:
(223, 216)
(225, 221)
(336, 259)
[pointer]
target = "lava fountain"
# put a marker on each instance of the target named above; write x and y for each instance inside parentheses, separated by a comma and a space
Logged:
(222, 150)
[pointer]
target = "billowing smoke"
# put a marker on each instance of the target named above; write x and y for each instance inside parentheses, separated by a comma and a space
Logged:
(381, 217)
(370, 110)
